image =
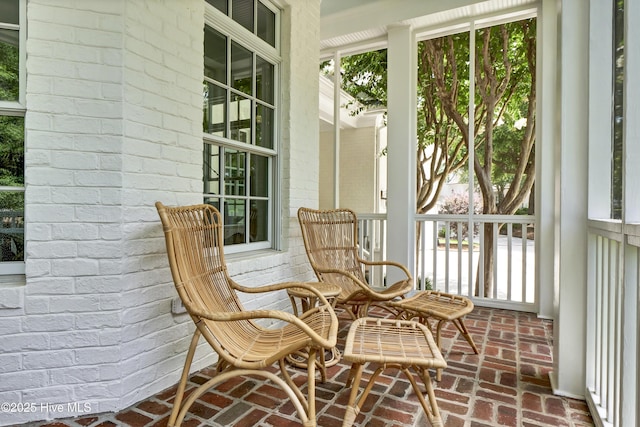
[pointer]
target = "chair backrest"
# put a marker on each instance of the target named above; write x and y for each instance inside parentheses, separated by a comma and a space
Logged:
(194, 240)
(331, 241)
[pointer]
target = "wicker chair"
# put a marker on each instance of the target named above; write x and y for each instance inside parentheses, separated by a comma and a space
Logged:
(330, 239)
(194, 238)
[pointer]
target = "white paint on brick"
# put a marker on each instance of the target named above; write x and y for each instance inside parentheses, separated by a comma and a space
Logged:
(11, 296)
(114, 91)
(108, 319)
(98, 285)
(55, 178)
(48, 323)
(37, 268)
(72, 375)
(10, 362)
(74, 340)
(74, 267)
(50, 286)
(10, 325)
(17, 381)
(34, 305)
(24, 342)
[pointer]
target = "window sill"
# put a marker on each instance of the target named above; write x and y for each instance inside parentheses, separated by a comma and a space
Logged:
(248, 262)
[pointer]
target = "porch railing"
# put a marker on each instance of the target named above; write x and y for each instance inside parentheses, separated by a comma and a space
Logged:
(612, 314)
(451, 251)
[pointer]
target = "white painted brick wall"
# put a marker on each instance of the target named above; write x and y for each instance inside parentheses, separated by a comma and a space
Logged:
(113, 124)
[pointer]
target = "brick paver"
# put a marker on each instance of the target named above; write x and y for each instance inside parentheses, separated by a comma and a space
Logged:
(507, 384)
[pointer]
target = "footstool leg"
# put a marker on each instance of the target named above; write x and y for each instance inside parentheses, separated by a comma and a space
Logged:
(354, 380)
(431, 409)
(465, 333)
(439, 344)
(352, 372)
(354, 406)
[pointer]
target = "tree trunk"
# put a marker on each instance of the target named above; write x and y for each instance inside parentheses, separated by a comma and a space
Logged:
(487, 264)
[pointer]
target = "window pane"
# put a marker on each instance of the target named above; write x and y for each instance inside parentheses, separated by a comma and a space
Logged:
(241, 68)
(240, 118)
(618, 110)
(234, 221)
(215, 55)
(12, 175)
(9, 11)
(264, 80)
(259, 221)
(215, 110)
(243, 13)
(9, 65)
(259, 176)
(234, 172)
(213, 201)
(12, 226)
(266, 24)
(211, 169)
(12, 151)
(264, 126)
(221, 5)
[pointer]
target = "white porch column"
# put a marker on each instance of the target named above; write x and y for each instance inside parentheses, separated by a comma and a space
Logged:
(401, 137)
(546, 138)
(568, 378)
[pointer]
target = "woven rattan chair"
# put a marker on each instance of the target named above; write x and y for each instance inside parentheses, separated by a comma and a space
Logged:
(194, 237)
(330, 239)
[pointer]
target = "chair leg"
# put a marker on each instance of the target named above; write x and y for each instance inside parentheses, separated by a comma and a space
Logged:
(292, 392)
(293, 386)
(363, 310)
(177, 404)
(323, 365)
(311, 386)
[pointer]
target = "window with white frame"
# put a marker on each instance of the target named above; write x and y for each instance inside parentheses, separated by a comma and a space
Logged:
(240, 111)
(12, 111)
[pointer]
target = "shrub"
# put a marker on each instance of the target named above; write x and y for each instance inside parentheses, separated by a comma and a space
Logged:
(458, 204)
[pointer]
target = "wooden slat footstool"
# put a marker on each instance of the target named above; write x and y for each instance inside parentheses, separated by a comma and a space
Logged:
(396, 344)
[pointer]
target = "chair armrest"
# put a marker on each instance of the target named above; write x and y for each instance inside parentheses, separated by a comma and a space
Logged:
(387, 263)
(226, 316)
(382, 296)
(281, 286)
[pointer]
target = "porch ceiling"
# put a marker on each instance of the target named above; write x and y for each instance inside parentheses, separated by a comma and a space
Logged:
(349, 23)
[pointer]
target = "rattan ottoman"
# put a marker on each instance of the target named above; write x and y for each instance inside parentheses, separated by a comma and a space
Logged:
(396, 344)
(442, 307)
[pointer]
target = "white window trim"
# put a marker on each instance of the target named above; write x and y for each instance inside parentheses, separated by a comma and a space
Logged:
(228, 27)
(17, 109)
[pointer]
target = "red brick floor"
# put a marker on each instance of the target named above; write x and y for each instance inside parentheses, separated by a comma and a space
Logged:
(507, 384)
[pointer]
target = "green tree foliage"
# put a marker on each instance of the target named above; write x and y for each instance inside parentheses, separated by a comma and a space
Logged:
(11, 130)
(443, 99)
(9, 70)
(11, 155)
